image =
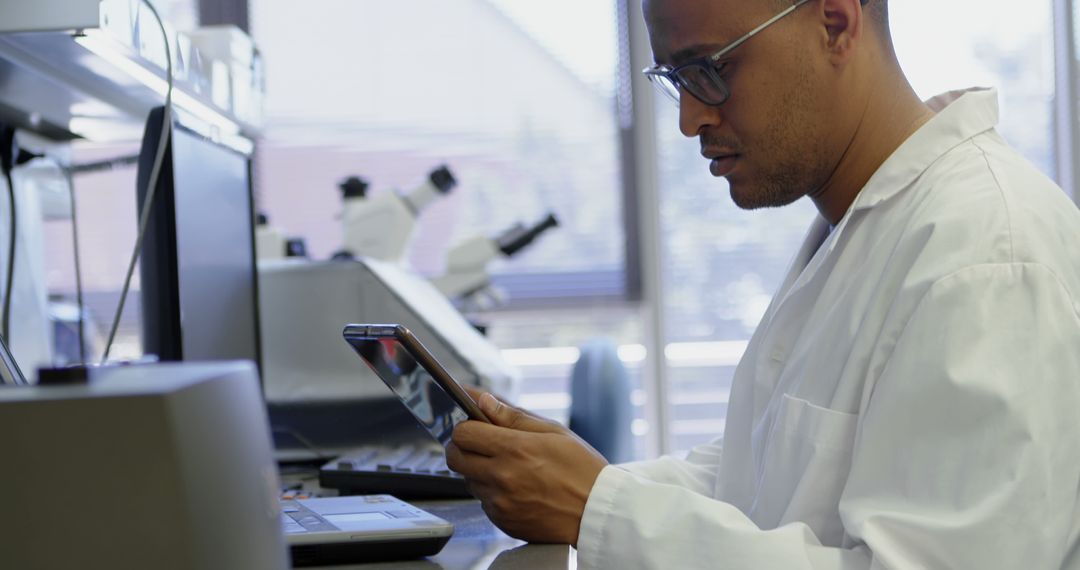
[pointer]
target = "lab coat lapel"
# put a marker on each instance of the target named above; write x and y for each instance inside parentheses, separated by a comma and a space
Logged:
(769, 347)
(807, 263)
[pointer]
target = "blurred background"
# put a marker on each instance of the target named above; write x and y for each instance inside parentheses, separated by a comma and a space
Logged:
(537, 107)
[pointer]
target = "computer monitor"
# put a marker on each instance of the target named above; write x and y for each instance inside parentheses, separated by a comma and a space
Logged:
(200, 288)
(198, 274)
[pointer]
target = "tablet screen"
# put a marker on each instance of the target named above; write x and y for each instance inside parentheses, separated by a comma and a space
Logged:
(420, 393)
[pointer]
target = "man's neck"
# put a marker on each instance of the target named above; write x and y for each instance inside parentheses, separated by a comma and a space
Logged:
(893, 112)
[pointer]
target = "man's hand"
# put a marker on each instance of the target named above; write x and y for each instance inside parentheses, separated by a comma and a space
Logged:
(532, 475)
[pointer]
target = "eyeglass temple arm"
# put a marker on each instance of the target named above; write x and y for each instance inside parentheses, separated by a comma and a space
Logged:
(756, 30)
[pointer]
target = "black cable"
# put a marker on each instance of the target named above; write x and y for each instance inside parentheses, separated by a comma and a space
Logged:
(10, 157)
(10, 279)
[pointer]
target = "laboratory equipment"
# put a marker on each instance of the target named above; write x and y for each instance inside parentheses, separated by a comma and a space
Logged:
(381, 226)
(269, 241)
(314, 383)
(164, 466)
(95, 68)
(198, 260)
(466, 263)
(348, 530)
(408, 471)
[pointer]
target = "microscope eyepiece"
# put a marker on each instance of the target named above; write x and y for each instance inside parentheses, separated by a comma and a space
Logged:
(354, 187)
(442, 179)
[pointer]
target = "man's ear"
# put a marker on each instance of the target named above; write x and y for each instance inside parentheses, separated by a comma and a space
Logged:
(842, 27)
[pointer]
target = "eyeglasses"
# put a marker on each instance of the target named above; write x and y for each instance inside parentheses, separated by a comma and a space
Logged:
(701, 77)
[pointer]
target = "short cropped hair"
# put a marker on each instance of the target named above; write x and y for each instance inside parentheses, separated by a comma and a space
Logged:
(877, 10)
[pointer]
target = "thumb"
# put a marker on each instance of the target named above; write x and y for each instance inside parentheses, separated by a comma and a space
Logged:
(507, 416)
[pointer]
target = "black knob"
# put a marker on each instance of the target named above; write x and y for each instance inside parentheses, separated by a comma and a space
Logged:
(353, 187)
(443, 179)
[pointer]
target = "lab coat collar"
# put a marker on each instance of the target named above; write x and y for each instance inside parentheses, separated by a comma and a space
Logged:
(961, 115)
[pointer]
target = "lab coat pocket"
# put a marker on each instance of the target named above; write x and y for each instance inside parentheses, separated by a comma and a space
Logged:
(806, 464)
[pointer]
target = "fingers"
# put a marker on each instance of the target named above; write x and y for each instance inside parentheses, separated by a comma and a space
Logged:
(474, 392)
(505, 433)
(533, 486)
(472, 465)
(508, 416)
(484, 439)
(521, 420)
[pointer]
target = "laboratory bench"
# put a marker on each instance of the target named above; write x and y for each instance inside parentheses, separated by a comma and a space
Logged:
(477, 544)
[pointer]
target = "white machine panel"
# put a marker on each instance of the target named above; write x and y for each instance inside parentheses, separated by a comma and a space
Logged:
(305, 305)
(152, 466)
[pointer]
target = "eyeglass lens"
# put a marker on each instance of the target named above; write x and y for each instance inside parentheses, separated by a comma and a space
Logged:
(704, 83)
(701, 82)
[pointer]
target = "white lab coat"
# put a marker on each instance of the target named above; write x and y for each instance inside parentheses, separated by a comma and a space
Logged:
(911, 399)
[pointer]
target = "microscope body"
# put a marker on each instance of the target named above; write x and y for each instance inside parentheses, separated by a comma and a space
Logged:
(381, 226)
(466, 267)
(466, 263)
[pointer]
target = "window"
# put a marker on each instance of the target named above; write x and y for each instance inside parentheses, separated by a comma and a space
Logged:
(968, 43)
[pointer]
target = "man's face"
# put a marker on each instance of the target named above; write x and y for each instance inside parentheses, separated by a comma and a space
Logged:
(771, 138)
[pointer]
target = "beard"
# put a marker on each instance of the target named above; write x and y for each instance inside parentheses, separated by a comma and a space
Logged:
(781, 182)
(792, 159)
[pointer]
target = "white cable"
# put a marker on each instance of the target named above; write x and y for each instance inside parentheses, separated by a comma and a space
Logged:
(155, 172)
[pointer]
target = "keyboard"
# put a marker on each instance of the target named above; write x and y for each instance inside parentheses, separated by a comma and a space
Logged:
(407, 471)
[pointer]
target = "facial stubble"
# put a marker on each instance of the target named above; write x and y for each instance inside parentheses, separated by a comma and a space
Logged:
(796, 160)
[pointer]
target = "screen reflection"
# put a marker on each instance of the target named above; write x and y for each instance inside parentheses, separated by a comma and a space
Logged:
(427, 401)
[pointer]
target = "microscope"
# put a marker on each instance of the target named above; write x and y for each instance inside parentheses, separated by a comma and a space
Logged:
(380, 227)
(466, 276)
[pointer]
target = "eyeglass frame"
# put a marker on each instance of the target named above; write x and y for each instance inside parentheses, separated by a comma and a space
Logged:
(708, 63)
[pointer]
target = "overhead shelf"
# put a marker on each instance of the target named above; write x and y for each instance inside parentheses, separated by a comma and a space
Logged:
(88, 84)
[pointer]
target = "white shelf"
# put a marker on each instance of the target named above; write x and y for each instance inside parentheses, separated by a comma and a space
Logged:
(86, 84)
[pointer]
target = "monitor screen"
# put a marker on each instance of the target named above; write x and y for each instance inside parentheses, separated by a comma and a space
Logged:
(198, 262)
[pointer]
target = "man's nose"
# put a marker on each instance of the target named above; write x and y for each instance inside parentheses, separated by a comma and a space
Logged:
(695, 115)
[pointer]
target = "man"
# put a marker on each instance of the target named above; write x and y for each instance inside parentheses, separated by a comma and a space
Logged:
(910, 398)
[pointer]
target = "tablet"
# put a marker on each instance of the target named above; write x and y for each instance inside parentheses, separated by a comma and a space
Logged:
(426, 389)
